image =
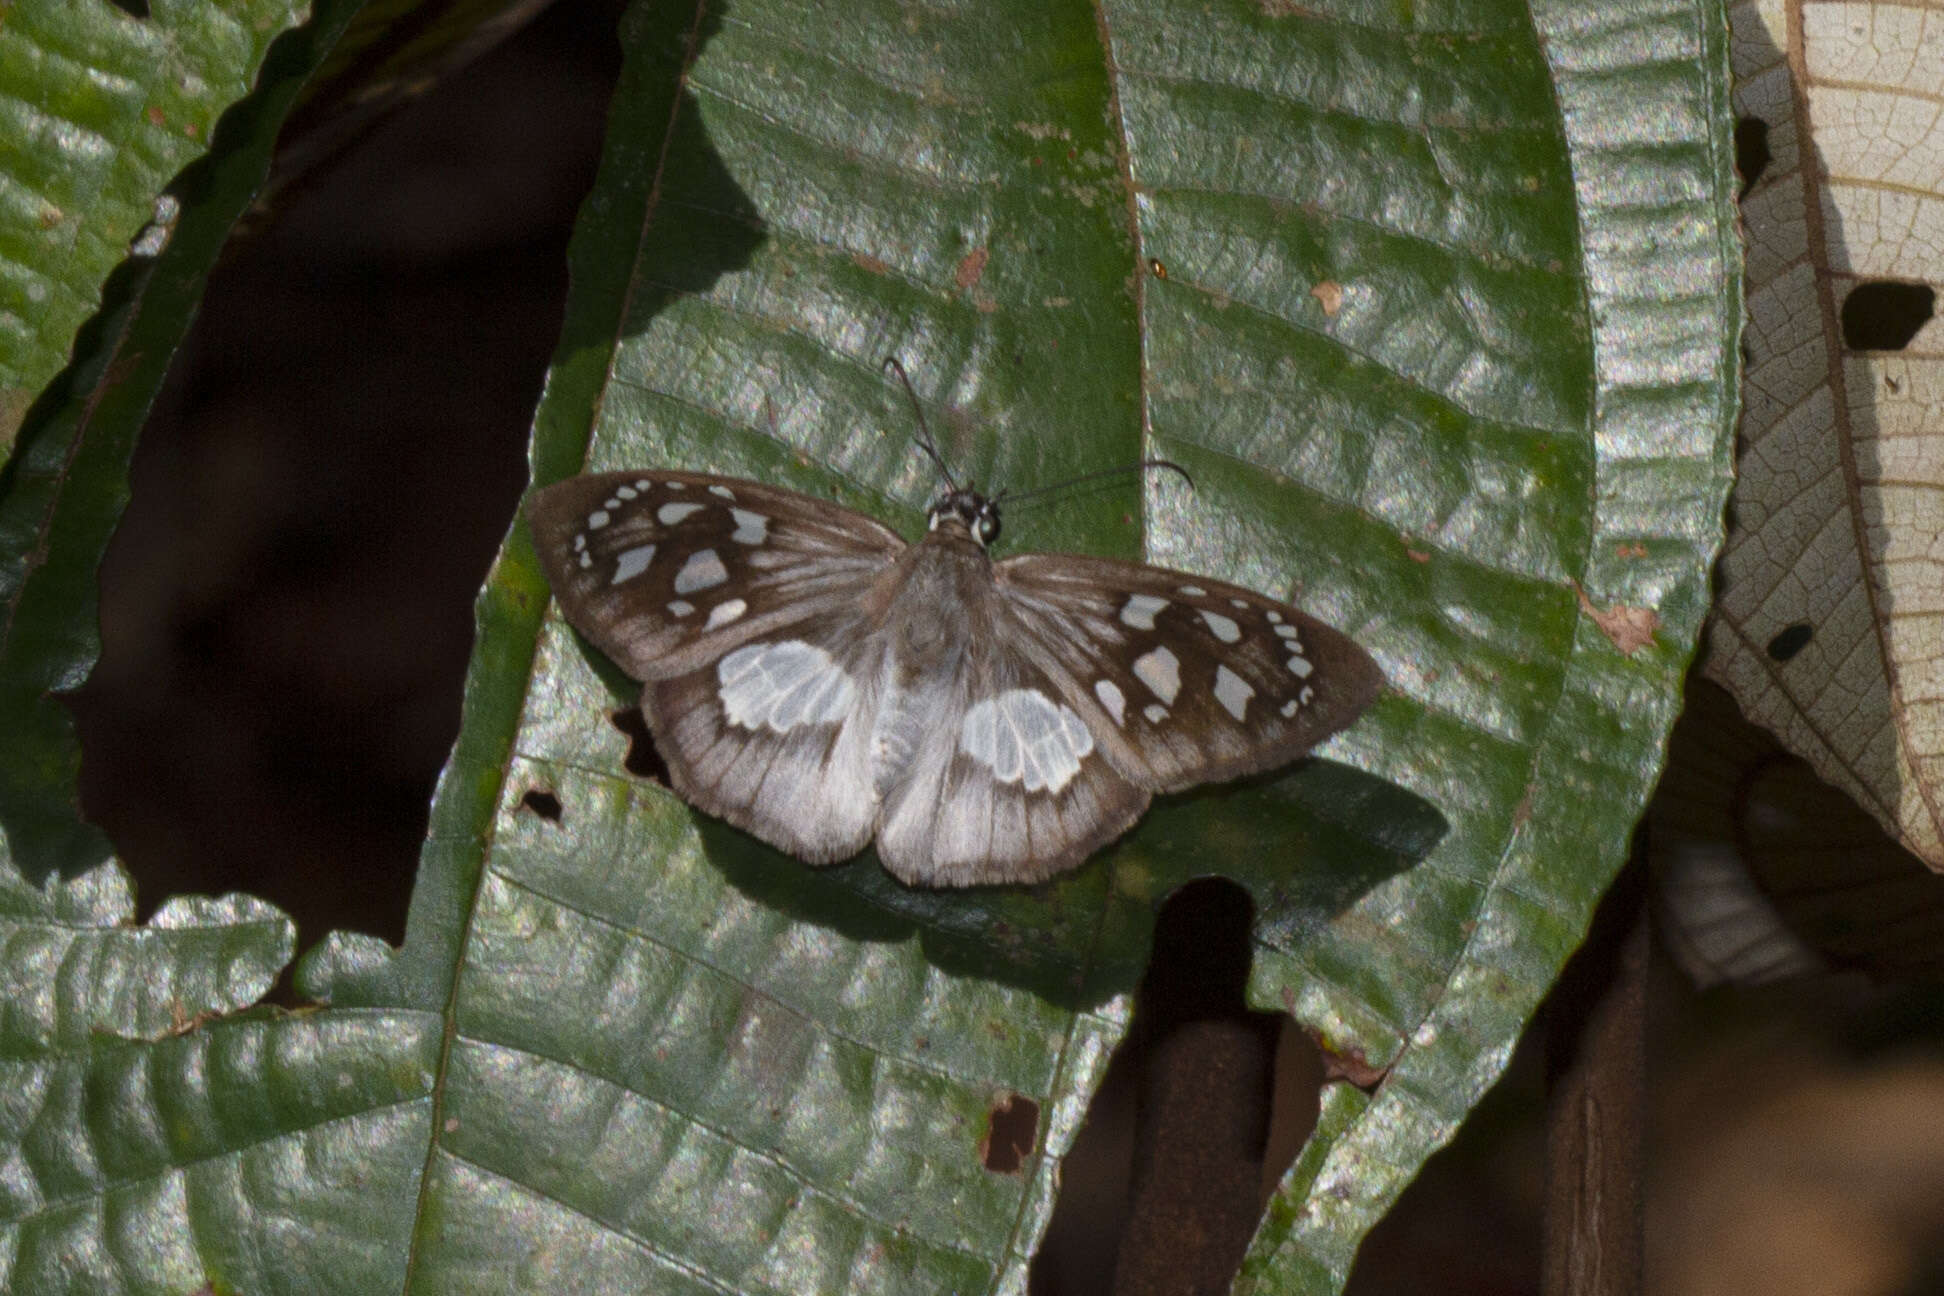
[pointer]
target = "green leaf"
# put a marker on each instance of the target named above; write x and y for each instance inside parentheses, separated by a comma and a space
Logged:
(680, 1060)
(632, 1049)
(101, 110)
(160, 1139)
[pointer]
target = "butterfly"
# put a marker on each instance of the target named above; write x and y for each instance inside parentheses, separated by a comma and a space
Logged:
(819, 683)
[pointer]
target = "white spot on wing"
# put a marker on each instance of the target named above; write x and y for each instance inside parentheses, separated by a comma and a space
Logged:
(1283, 631)
(597, 519)
(783, 686)
(670, 514)
(1155, 712)
(703, 570)
(1024, 737)
(751, 528)
(681, 608)
(1225, 629)
(1300, 667)
(1112, 698)
(1232, 691)
(1140, 609)
(1160, 670)
(626, 492)
(1275, 617)
(723, 613)
(1289, 708)
(631, 563)
(1192, 591)
(723, 491)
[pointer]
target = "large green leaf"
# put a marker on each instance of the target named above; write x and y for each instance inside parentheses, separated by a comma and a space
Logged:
(680, 1060)
(1441, 310)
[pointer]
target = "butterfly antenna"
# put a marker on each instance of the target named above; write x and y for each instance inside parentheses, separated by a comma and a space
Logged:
(924, 437)
(1009, 498)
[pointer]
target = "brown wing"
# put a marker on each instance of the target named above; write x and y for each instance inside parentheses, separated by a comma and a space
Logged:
(1005, 783)
(668, 571)
(747, 613)
(1183, 679)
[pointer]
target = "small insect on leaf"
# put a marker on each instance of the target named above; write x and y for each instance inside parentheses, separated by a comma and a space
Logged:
(815, 681)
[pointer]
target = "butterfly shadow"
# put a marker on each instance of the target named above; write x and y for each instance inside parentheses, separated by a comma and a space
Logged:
(1307, 843)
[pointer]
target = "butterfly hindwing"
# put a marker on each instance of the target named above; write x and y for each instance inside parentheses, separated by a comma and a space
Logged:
(777, 736)
(1005, 783)
(1184, 679)
(665, 571)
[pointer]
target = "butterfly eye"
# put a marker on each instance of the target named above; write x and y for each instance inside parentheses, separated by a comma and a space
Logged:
(988, 527)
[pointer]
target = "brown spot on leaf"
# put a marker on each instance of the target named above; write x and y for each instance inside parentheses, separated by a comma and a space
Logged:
(184, 1022)
(971, 267)
(1159, 270)
(1329, 295)
(1630, 628)
(865, 261)
(1417, 555)
(1012, 1128)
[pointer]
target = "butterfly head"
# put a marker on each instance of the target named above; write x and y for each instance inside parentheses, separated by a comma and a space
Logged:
(970, 509)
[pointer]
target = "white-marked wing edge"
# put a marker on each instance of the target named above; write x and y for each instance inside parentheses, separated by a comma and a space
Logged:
(1211, 681)
(635, 586)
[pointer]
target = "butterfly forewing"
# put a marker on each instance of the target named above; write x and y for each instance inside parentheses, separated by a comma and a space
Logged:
(668, 571)
(1184, 679)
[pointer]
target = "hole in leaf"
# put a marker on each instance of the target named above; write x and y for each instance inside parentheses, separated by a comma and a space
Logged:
(1752, 154)
(1791, 641)
(643, 760)
(1884, 316)
(1012, 1127)
(133, 8)
(1202, 1109)
(543, 803)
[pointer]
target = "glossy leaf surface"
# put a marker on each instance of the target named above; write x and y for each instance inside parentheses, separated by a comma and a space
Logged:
(1440, 310)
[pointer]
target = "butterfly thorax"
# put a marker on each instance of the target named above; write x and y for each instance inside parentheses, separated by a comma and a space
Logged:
(939, 599)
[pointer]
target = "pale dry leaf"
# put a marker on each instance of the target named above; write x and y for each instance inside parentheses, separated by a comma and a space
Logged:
(1829, 623)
